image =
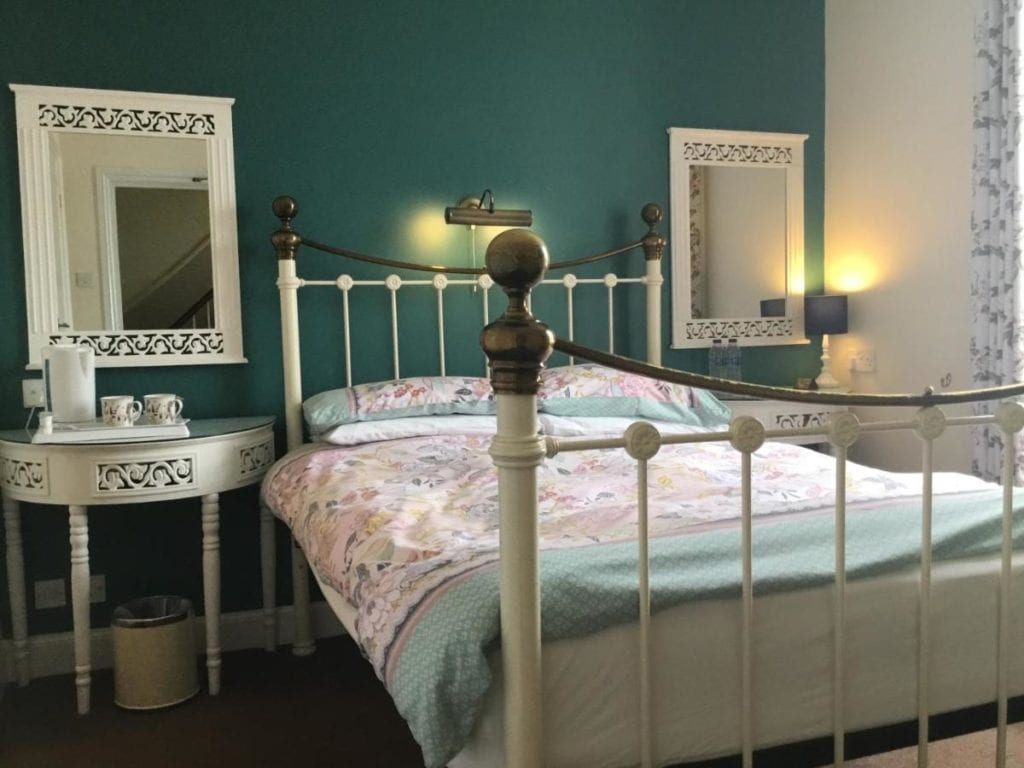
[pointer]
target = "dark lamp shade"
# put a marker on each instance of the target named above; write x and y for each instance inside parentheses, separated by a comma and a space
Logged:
(773, 307)
(824, 315)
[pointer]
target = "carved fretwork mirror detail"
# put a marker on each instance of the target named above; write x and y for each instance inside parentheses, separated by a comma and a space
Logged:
(129, 225)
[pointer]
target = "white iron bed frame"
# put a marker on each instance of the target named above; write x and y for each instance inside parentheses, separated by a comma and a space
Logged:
(517, 346)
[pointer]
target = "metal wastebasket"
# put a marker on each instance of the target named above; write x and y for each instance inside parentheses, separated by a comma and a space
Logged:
(154, 652)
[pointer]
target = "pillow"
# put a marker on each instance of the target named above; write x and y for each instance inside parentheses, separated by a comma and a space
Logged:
(591, 426)
(418, 396)
(410, 426)
(594, 390)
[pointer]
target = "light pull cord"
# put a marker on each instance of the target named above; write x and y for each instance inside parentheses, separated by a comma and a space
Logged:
(472, 249)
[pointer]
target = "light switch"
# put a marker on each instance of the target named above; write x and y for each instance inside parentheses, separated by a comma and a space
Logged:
(85, 279)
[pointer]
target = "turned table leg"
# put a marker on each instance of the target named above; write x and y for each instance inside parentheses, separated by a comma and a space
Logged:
(211, 587)
(16, 587)
(303, 641)
(268, 571)
(78, 523)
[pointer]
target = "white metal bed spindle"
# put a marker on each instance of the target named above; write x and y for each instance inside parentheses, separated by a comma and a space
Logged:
(394, 282)
(1010, 417)
(747, 435)
(931, 423)
(843, 431)
(344, 284)
(610, 281)
(569, 281)
(643, 442)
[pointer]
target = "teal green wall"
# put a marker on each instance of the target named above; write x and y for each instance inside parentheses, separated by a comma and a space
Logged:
(367, 113)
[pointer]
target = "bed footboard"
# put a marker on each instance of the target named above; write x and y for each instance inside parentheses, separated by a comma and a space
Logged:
(517, 345)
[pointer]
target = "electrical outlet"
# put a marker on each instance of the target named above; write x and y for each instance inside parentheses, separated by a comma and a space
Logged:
(97, 588)
(50, 593)
(32, 393)
(863, 361)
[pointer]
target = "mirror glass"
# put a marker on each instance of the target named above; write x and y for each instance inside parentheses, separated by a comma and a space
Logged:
(132, 231)
(737, 237)
(129, 226)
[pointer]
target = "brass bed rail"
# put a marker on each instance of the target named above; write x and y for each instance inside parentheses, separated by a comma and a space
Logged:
(287, 241)
(789, 394)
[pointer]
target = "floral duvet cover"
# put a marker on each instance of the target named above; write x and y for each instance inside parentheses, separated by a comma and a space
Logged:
(407, 531)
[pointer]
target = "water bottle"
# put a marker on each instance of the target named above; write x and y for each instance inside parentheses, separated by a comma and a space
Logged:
(733, 366)
(716, 359)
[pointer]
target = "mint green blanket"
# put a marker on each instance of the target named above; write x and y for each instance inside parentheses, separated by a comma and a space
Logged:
(442, 674)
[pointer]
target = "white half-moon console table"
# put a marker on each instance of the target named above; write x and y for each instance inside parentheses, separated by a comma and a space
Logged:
(776, 414)
(218, 455)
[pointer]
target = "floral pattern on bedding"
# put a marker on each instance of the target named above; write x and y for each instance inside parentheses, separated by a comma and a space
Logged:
(387, 524)
(416, 396)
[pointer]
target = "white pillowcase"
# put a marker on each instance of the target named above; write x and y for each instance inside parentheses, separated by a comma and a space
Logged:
(582, 426)
(410, 426)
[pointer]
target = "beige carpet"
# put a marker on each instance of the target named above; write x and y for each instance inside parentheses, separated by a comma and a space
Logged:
(975, 750)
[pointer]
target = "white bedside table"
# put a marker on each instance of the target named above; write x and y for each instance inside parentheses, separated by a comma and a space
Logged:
(776, 414)
(218, 455)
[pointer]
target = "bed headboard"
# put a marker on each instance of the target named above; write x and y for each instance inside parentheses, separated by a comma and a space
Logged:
(438, 279)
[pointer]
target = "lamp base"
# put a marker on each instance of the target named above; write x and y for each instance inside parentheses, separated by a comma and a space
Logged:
(825, 378)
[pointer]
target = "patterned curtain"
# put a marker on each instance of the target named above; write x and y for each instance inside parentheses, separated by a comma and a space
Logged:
(996, 302)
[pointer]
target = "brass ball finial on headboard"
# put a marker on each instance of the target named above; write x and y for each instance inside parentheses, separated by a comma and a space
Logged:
(286, 209)
(517, 260)
(285, 241)
(653, 243)
(651, 214)
(517, 344)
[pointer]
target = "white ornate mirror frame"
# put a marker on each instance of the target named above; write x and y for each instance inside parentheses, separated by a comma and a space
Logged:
(43, 111)
(689, 147)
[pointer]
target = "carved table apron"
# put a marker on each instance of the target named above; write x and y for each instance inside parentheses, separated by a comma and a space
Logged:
(219, 455)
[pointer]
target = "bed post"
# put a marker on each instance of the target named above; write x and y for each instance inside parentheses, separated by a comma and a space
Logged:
(517, 345)
(654, 248)
(286, 243)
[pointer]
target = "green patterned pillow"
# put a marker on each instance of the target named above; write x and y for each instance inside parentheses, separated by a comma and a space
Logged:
(595, 390)
(418, 396)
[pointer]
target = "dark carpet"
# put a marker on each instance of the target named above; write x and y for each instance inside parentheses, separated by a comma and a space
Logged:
(273, 710)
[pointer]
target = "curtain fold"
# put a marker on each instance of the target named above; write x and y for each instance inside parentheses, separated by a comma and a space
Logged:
(996, 302)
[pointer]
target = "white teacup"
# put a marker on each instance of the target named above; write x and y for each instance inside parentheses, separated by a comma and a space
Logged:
(120, 410)
(163, 409)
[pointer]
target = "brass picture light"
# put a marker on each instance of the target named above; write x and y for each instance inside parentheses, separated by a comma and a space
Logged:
(472, 211)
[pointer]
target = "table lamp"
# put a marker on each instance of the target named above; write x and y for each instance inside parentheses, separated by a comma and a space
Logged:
(825, 315)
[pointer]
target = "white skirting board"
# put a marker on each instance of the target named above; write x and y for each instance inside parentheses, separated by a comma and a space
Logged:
(54, 654)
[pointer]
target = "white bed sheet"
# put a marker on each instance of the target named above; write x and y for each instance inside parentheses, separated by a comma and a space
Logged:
(591, 713)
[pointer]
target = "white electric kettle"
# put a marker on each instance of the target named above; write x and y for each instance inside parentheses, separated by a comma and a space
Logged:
(69, 378)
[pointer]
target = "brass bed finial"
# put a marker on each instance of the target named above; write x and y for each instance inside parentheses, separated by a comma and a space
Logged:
(653, 243)
(285, 240)
(517, 344)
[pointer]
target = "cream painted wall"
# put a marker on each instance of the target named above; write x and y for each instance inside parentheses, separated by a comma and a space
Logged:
(898, 85)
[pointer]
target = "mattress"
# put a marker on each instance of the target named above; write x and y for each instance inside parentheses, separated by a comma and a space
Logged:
(404, 534)
(591, 691)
